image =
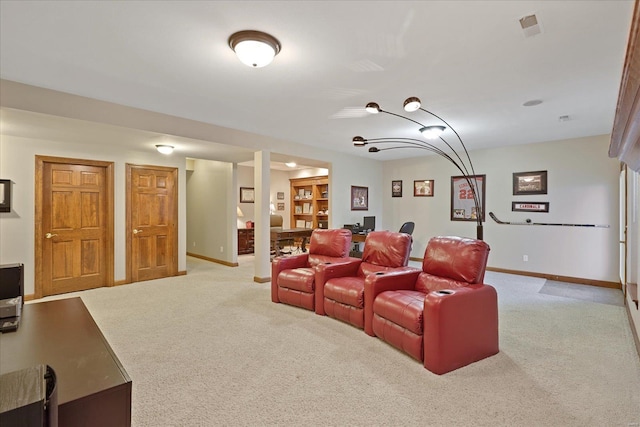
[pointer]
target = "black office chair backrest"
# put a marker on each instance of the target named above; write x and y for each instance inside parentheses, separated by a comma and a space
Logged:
(407, 227)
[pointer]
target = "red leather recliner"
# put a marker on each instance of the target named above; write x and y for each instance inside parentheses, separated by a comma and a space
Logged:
(342, 296)
(443, 316)
(293, 277)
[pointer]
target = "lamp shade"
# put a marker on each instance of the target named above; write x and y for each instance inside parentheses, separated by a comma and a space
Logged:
(411, 104)
(432, 132)
(254, 48)
(239, 212)
(372, 108)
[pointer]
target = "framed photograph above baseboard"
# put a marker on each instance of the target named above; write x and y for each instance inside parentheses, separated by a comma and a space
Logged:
(247, 195)
(359, 198)
(530, 206)
(530, 183)
(396, 188)
(423, 188)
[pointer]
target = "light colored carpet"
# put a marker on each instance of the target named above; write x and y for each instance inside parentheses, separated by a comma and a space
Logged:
(210, 348)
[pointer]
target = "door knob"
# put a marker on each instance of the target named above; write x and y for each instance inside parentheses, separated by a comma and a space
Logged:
(136, 231)
(49, 235)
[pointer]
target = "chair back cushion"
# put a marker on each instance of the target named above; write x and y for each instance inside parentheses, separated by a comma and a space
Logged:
(452, 262)
(276, 220)
(385, 249)
(325, 245)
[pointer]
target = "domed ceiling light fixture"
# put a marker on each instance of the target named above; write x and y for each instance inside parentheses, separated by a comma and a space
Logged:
(164, 148)
(254, 48)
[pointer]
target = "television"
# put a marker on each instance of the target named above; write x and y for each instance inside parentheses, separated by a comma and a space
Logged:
(369, 223)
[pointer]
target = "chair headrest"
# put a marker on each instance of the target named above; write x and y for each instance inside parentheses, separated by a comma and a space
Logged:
(456, 258)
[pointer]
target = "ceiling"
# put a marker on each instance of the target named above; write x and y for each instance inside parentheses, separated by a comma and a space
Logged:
(469, 62)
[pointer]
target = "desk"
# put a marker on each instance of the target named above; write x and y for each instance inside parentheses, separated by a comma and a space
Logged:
(356, 239)
(245, 241)
(93, 387)
(278, 236)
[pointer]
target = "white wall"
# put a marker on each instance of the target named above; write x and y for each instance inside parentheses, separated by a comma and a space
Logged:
(582, 188)
(208, 230)
(17, 163)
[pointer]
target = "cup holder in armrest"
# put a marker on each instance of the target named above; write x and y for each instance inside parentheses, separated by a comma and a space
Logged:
(379, 273)
(444, 292)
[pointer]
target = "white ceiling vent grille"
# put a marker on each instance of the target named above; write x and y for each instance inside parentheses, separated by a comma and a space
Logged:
(530, 25)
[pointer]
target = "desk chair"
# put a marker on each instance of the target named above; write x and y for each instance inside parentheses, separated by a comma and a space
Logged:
(407, 227)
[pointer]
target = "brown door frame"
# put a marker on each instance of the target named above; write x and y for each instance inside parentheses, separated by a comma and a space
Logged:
(129, 227)
(109, 214)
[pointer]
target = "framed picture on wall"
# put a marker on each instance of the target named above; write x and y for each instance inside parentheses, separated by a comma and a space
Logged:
(530, 182)
(280, 206)
(463, 205)
(247, 195)
(396, 188)
(5, 195)
(423, 188)
(359, 198)
(280, 195)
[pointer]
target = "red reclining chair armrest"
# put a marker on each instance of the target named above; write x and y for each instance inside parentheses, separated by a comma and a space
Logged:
(460, 327)
(285, 263)
(325, 272)
(374, 284)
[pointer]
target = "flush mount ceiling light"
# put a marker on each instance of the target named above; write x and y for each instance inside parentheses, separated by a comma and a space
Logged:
(164, 149)
(291, 164)
(254, 48)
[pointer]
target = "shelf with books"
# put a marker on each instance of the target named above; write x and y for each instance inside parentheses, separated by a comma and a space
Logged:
(310, 202)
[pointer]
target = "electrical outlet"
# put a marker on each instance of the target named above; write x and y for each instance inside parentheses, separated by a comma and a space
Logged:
(525, 258)
(194, 244)
(221, 248)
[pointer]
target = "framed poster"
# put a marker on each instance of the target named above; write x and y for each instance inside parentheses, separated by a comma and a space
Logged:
(280, 206)
(396, 188)
(247, 195)
(359, 198)
(463, 205)
(530, 206)
(530, 183)
(280, 195)
(5, 195)
(423, 188)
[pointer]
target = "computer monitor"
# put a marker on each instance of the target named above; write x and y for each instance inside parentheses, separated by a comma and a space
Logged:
(369, 223)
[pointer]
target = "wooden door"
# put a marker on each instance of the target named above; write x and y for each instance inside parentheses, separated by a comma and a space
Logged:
(74, 225)
(152, 216)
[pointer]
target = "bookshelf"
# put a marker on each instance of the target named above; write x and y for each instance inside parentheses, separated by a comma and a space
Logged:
(310, 202)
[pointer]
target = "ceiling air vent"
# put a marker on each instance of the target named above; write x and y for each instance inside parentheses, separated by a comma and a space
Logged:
(530, 25)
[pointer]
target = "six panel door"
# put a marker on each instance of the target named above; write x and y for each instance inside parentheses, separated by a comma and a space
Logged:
(74, 245)
(153, 219)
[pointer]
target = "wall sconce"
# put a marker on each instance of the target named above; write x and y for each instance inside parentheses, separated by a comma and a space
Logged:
(164, 149)
(254, 48)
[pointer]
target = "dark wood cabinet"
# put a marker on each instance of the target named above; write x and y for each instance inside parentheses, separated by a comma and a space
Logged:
(93, 386)
(245, 241)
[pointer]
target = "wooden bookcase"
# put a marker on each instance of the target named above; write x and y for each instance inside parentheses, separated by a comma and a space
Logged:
(310, 202)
